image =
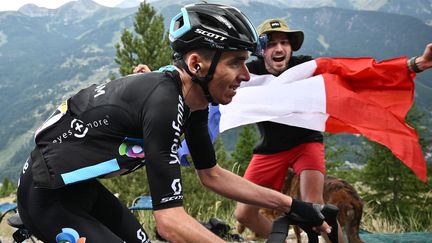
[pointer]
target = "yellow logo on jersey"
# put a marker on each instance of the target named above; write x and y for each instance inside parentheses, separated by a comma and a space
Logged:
(63, 107)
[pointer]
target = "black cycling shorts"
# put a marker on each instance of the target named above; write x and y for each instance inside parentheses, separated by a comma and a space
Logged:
(87, 207)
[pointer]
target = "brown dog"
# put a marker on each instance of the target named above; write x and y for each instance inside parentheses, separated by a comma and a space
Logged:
(337, 192)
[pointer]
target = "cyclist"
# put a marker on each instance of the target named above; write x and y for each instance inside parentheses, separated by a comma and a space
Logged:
(118, 127)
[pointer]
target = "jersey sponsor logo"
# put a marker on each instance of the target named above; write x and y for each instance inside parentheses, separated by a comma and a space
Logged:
(79, 129)
(169, 199)
(132, 147)
(177, 188)
(177, 125)
(210, 34)
(99, 90)
(141, 235)
(26, 165)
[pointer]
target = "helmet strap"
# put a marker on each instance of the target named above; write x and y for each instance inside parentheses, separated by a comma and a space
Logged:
(204, 81)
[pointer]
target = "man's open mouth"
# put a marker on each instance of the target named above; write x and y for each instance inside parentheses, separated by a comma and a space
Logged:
(278, 59)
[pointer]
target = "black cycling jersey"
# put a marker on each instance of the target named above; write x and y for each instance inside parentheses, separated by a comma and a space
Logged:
(278, 137)
(118, 127)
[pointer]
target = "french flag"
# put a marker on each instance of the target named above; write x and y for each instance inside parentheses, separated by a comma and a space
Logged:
(352, 95)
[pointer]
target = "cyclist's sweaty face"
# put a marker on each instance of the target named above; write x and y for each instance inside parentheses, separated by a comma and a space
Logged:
(277, 53)
(230, 72)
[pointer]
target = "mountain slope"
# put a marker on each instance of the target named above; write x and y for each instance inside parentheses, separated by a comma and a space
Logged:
(420, 9)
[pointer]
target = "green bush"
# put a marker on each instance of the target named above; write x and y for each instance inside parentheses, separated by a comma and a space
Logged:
(7, 188)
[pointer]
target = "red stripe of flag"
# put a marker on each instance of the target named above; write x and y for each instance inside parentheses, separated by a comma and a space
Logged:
(372, 99)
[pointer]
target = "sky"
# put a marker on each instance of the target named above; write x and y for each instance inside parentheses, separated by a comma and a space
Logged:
(6, 5)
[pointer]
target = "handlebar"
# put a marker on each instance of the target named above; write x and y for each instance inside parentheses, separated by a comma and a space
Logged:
(281, 225)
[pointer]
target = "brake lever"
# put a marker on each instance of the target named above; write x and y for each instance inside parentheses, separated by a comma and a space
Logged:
(330, 213)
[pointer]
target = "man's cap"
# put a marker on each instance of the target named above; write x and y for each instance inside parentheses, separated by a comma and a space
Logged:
(279, 25)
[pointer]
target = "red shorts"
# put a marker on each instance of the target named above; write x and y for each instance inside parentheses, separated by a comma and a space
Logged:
(270, 170)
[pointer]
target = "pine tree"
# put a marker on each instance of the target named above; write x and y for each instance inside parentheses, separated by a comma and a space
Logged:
(333, 154)
(243, 150)
(395, 190)
(148, 45)
(7, 187)
(221, 155)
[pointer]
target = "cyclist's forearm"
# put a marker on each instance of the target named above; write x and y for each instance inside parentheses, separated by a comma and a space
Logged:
(232, 186)
(235, 187)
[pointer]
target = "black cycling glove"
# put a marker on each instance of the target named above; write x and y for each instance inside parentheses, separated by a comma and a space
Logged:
(306, 213)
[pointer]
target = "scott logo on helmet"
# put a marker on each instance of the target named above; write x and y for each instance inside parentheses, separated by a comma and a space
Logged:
(210, 34)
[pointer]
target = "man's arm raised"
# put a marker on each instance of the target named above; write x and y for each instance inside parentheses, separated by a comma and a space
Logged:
(423, 62)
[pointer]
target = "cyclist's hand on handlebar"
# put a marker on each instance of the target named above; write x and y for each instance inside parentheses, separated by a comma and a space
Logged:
(309, 214)
(306, 212)
(141, 68)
